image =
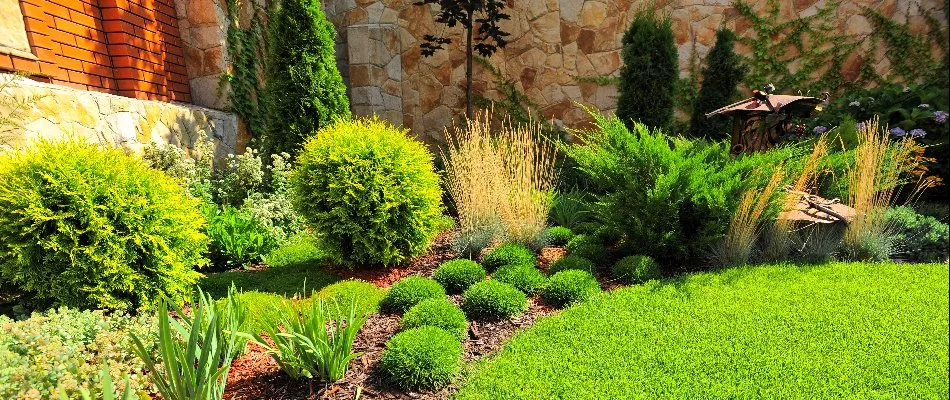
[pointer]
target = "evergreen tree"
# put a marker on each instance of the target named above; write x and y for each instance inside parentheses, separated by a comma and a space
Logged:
(304, 90)
(650, 70)
(723, 71)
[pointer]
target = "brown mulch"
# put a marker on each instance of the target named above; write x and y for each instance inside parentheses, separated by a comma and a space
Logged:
(440, 252)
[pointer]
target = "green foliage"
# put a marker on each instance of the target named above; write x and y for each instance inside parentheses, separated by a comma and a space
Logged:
(237, 239)
(508, 254)
(90, 227)
(724, 70)
(916, 237)
(636, 269)
(724, 331)
(570, 210)
(588, 247)
(650, 70)
(107, 389)
(245, 48)
(911, 55)
(314, 343)
(409, 291)
(570, 286)
(304, 91)
(493, 300)
(471, 242)
(526, 277)
(65, 350)
(572, 261)
(421, 358)
(370, 190)
(457, 275)
(439, 313)
(559, 235)
(193, 171)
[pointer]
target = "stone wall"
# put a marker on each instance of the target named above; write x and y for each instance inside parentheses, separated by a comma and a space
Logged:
(40, 110)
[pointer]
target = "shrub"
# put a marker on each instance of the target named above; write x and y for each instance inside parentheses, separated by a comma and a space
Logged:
(107, 389)
(636, 269)
(570, 210)
(567, 287)
(439, 313)
(193, 170)
(370, 190)
(91, 227)
(723, 72)
(457, 275)
(493, 300)
(608, 235)
(559, 235)
(67, 349)
(650, 70)
(916, 237)
(304, 90)
(421, 358)
(588, 247)
(526, 277)
(237, 239)
(572, 261)
(508, 254)
(409, 291)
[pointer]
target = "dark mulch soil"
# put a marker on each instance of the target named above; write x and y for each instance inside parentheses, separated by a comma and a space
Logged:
(440, 252)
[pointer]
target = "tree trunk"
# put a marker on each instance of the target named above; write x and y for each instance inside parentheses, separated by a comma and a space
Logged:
(468, 64)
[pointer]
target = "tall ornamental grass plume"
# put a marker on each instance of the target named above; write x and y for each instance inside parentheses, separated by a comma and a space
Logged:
(745, 225)
(779, 243)
(530, 172)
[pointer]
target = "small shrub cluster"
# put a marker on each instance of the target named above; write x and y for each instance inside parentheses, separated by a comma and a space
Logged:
(421, 358)
(409, 291)
(636, 269)
(237, 239)
(493, 300)
(508, 254)
(567, 287)
(589, 247)
(457, 275)
(370, 190)
(559, 235)
(572, 261)
(526, 277)
(916, 237)
(439, 313)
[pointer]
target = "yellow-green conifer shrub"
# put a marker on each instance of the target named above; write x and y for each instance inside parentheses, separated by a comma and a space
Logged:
(91, 227)
(370, 191)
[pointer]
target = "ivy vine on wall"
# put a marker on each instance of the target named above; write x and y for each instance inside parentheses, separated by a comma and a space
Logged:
(245, 47)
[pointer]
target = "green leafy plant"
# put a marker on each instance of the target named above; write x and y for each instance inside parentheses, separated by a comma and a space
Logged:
(526, 277)
(315, 343)
(439, 313)
(86, 226)
(588, 247)
(107, 389)
(237, 239)
(916, 237)
(567, 287)
(409, 291)
(421, 358)
(493, 300)
(723, 72)
(636, 269)
(650, 70)
(572, 261)
(371, 192)
(559, 235)
(570, 209)
(457, 275)
(508, 254)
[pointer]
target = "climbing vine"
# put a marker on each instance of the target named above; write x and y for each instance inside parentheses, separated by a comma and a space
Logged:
(245, 47)
(911, 56)
(514, 103)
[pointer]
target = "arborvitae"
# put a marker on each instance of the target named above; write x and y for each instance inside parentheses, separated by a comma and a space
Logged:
(650, 70)
(723, 71)
(304, 90)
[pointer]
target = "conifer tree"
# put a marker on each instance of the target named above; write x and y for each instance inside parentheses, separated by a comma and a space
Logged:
(723, 71)
(650, 70)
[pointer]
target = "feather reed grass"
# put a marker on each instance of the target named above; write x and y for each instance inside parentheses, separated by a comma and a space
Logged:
(746, 223)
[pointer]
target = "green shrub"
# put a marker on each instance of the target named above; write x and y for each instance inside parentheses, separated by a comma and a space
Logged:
(572, 261)
(457, 275)
(559, 235)
(723, 72)
(636, 269)
(107, 389)
(589, 247)
(421, 358)
(439, 313)
(409, 291)
(570, 209)
(508, 254)
(587, 228)
(493, 300)
(527, 278)
(469, 243)
(370, 190)
(304, 90)
(608, 235)
(90, 227)
(366, 296)
(237, 239)
(650, 70)
(917, 237)
(567, 287)
(68, 348)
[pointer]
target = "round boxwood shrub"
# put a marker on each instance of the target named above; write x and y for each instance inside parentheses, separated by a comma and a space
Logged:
(458, 275)
(91, 227)
(508, 254)
(493, 300)
(569, 286)
(527, 278)
(370, 190)
(409, 291)
(588, 247)
(636, 269)
(440, 313)
(421, 358)
(559, 235)
(571, 261)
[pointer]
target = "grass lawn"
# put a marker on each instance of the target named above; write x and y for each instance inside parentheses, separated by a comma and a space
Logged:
(828, 331)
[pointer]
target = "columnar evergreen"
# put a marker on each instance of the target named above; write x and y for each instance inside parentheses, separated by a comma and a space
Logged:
(724, 70)
(650, 70)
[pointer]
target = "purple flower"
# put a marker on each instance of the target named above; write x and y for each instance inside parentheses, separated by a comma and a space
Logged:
(918, 132)
(897, 131)
(820, 129)
(940, 116)
(860, 126)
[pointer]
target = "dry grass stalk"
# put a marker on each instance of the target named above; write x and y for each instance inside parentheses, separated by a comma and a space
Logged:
(746, 223)
(474, 175)
(528, 162)
(780, 236)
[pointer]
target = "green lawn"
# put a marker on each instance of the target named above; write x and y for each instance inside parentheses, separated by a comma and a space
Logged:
(829, 331)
